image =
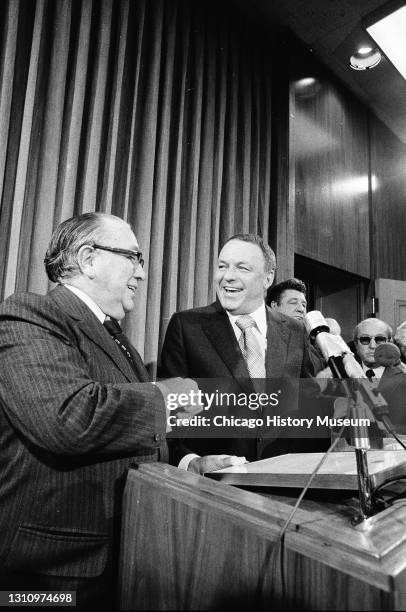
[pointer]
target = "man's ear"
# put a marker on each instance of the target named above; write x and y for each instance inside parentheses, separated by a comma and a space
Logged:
(273, 304)
(269, 279)
(85, 258)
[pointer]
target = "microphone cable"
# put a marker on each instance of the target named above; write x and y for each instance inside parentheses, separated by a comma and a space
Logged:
(277, 553)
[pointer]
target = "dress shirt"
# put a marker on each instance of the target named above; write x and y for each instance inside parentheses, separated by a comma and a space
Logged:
(96, 310)
(378, 371)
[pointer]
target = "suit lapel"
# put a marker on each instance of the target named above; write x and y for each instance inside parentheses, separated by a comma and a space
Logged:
(219, 331)
(277, 345)
(91, 327)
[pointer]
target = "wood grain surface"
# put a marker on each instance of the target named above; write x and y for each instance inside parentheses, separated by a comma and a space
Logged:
(189, 543)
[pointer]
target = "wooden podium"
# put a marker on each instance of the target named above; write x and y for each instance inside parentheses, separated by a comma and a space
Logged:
(190, 543)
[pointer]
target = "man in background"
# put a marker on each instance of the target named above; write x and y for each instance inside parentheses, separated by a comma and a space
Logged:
(367, 336)
(289, 298)
(400, 340)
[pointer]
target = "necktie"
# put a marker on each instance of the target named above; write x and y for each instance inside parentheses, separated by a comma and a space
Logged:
(250, 347)
(370, 373)
(129, 351)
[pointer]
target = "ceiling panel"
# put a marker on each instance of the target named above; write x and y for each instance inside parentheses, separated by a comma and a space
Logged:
(332, 29)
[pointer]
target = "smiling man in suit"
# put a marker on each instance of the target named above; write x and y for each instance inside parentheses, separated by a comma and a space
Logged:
(76, 409)
(238, 337)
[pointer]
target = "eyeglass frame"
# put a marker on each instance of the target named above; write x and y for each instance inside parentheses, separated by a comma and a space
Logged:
(382, 339)
(134, 256)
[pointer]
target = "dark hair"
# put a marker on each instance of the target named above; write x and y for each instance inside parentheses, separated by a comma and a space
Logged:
(269, 255)
(275, 292)
(61, 256)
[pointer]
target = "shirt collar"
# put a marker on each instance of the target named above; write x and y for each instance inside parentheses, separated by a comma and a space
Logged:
(379, 370)
(259, 316)
(96, 310)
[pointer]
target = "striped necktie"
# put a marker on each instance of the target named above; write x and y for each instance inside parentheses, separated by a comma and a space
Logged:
(250, 347)
(129, 351)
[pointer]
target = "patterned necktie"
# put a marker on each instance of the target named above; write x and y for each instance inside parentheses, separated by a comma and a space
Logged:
(250, 347)
(129, 351)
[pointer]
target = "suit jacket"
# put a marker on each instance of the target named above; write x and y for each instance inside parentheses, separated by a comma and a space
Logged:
(73, 416)
(392, 385)
(200, 343)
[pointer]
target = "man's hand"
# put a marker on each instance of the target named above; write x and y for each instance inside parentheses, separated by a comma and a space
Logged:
(210, 463)
(322, 378)
(182, 397)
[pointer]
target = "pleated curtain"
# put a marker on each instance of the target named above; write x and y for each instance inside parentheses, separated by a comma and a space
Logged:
(158, 111)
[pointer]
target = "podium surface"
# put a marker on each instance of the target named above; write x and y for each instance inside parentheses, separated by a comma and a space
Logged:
(190, 543)
(339, 470)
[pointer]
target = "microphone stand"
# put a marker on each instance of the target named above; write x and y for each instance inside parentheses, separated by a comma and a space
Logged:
(360, 443)
(360, 438)
(334, 353)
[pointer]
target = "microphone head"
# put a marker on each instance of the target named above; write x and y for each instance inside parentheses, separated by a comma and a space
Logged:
(387, 354)
(334, 326)
(314, 320)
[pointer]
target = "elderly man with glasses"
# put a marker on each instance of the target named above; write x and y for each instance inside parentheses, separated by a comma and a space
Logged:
(367, 335)
(76, 410)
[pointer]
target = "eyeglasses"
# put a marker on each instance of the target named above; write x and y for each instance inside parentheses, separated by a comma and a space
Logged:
(367, 339)
(134, 256)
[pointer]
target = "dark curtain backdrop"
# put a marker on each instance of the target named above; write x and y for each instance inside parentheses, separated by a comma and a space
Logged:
(158, 111)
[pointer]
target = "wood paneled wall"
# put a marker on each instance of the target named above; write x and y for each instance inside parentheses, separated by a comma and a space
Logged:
(329, 152)
(347, 177)
(388, 171)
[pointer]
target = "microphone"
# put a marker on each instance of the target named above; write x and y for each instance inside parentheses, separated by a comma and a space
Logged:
(388, 355)
(343, 367)
(333, 348)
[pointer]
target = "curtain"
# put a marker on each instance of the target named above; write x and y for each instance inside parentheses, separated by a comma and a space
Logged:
(158, 111)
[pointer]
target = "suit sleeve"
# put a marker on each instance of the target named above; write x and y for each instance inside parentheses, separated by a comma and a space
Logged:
(59, 398)
(174, 360)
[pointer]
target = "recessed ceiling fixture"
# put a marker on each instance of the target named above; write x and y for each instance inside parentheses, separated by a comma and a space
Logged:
(389, 34)
(365, 58)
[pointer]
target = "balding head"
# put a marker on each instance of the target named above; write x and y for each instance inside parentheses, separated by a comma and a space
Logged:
(368, 334)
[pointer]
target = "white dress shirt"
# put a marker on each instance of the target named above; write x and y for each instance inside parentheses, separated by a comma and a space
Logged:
(96, 310)
(378, 371)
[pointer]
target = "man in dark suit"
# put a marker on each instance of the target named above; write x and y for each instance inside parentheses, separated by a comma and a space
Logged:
(208, 342)
(76, 409)
(367, 335)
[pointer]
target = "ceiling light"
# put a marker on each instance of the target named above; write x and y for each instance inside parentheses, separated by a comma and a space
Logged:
(306, 82)
(365, 58)
(389, 34)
